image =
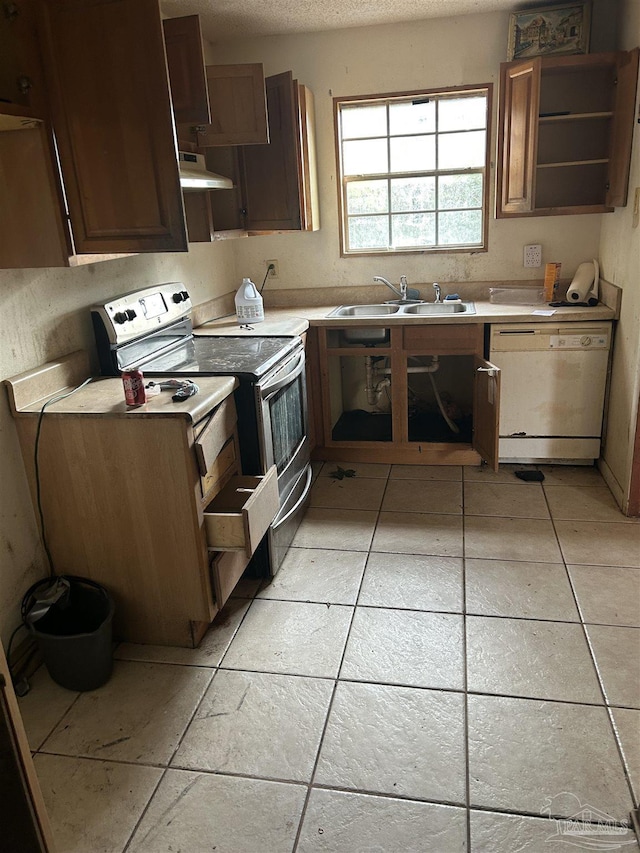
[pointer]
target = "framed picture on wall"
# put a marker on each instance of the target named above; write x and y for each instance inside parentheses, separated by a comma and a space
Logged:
(550, 30)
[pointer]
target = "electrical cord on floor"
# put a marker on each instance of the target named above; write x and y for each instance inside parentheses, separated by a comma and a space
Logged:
(22, 686)
(52, 571)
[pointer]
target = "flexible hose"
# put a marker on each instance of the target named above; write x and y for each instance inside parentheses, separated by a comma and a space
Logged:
(452, 426)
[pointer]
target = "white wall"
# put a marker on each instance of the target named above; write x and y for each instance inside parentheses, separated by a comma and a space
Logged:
(401, 57)
(620, 260)
(44, 314)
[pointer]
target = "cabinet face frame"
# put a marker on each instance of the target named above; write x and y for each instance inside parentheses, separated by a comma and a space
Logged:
(439, 339)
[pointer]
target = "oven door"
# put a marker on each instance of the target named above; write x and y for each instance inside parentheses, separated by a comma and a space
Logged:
(281, 399)
(288, 519)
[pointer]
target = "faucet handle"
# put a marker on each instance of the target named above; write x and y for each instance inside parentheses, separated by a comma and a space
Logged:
(436, 287)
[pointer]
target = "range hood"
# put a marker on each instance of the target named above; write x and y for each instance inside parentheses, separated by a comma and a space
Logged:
(194, 174)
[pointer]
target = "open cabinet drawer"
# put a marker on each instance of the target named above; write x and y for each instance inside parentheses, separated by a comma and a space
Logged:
(239, 515)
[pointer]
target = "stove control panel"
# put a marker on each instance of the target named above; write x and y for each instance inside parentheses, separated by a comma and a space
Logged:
(141, 312)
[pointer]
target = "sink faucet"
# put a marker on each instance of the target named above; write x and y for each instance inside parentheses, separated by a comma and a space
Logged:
(402, 293)
(436, 287)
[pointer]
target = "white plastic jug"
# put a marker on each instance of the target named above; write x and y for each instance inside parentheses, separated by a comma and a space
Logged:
(249, 306)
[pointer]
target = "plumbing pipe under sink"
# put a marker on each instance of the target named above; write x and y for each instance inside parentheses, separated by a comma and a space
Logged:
(374, 389)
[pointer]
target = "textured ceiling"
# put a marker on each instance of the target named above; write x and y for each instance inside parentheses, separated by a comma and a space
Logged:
(223, 20)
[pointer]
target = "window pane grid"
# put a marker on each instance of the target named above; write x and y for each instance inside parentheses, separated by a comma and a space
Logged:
(421, 215)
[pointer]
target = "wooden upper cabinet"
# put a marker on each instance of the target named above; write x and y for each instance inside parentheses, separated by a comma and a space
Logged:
(565, 134)
(519, 96)
(278, 179)
(185, 61)
(112, 116)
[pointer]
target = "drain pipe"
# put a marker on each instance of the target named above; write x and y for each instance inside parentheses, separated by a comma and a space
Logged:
(427, 368)
(374, 389)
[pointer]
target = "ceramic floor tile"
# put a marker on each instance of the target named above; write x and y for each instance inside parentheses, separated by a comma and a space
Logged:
(571, 475)
(418, 533)
(362, 469)
(511, 539)
(395, 740)
(412, 581)
(608, 595)
(519, 589)
(423, 496)
(43, 707)
(352, 493)
(405, 647)
(341, 529)
(258, 725)
(524, 753)
(317, 574)
(337, 822)
(197, 812)
(139, 715)
(617, 654)
(599, 543)
(291, 637)
(577, 503)
(93, 805)
(541, 660)
(211, 649)
(505, 500)
(426, 472)
(627, 721)
(504, 474)
(504, 833)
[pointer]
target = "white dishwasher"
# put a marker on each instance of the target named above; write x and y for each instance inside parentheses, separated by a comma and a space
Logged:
(553, 382)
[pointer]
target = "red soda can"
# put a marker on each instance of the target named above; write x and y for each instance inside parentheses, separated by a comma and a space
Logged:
(134, 391)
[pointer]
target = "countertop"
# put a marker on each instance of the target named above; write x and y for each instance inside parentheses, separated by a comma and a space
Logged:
(296, 320)
(104, 397)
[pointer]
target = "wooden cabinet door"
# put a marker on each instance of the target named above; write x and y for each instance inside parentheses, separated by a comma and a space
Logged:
(622, 128)
(23, 818)
(238, 106)
(33, 230)
(486, 411)
(185, 62)
(518, 136)
(270, 173)
(112, 116)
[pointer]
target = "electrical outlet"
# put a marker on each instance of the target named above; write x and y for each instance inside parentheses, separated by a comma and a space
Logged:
(532, 255)
(274, 272)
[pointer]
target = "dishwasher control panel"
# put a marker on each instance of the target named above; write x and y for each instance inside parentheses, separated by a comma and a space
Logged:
(579, 341)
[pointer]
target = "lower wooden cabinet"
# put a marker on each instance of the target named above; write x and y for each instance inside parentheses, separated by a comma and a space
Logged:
(423, 395)
(143, 502)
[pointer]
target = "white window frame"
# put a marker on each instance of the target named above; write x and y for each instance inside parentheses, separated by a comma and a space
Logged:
(486, 90)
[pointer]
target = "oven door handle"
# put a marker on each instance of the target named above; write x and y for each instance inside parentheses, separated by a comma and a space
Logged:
(267, 391)
(299, 502)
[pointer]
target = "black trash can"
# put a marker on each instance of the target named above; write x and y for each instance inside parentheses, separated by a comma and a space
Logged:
(71, 619)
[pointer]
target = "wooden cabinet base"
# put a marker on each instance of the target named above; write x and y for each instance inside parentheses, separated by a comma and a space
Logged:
(398, 454)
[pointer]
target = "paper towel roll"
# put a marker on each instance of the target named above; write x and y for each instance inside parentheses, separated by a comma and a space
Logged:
(582, 282)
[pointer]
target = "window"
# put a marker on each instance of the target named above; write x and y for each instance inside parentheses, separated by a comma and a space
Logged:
(413, 171)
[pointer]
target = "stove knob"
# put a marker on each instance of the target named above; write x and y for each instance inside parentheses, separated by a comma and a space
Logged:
(130, 314)
(185, 295)
(120, 317)
(180, 296)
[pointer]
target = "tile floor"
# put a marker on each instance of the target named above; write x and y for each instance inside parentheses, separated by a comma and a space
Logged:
(448, 659)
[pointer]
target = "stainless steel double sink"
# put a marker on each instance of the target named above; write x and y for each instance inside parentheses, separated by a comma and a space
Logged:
(393, 310)
(370, 335)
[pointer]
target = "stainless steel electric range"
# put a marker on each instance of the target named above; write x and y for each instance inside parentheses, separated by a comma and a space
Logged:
(151, 330)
